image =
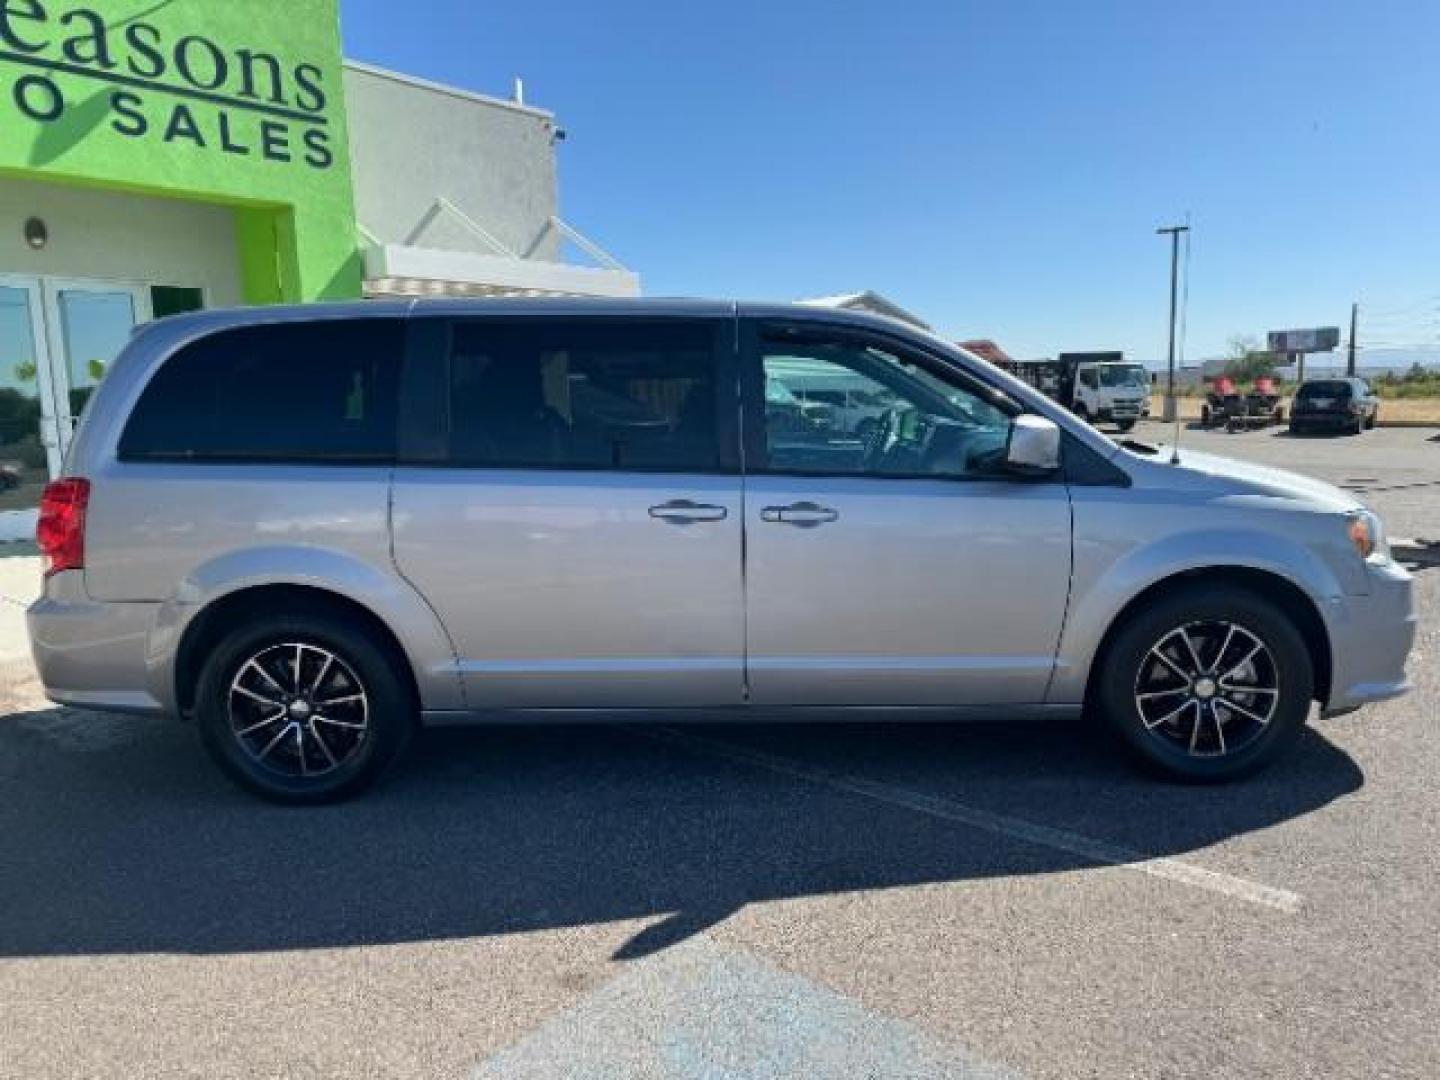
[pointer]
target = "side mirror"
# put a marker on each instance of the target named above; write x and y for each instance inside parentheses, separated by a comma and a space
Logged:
(1034, 446)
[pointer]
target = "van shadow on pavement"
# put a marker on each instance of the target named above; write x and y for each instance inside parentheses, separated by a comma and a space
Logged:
(116, 836)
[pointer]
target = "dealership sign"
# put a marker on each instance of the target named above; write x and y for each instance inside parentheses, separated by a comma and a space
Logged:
(181, 89)
(1324, 339)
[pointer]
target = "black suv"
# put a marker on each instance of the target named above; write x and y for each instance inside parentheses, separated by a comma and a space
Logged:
(1347, 405)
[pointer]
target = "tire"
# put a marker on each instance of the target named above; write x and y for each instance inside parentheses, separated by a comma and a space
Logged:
(361, 738)
(1175, 745)
(1358, 427)
(1125, 425)
(1373, 422)
(1204, 416)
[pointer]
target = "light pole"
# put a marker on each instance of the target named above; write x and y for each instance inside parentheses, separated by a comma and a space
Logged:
(1350, 355)
(1174, 232)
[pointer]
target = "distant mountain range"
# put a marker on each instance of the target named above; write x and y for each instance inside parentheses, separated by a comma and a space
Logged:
(1370, 362)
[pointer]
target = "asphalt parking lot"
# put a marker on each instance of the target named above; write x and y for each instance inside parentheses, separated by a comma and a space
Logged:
(818, 900)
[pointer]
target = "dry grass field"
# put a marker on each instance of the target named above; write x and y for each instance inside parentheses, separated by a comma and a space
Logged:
(1392, 410)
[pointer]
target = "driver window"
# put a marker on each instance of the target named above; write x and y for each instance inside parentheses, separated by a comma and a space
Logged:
(848, 408)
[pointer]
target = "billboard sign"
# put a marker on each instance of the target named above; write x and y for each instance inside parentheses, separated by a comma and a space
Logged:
(1324, 339)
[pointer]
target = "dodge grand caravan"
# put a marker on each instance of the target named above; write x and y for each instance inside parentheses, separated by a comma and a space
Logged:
(310, 530)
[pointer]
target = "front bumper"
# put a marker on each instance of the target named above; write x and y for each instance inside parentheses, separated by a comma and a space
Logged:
(1370, 639)
(1124, 412)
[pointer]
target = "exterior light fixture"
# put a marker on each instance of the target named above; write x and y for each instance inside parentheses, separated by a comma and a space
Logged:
(37, 233)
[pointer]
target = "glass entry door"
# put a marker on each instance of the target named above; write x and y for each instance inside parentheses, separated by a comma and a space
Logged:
(26, 458)
(57, 339)
(88, 323)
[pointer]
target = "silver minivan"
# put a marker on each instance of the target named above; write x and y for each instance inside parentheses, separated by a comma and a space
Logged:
(309, 531)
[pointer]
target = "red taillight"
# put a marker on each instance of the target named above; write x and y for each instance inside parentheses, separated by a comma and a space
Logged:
(61, 532)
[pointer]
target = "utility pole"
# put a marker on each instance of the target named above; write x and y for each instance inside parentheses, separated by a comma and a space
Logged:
(1174, 232)
(1350, 359)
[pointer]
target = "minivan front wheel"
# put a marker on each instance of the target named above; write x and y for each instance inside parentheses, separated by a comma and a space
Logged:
(301, 709)
(1208, 684)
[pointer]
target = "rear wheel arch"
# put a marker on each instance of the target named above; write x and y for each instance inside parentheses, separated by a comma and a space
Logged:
(209, 627)
(1281, 592)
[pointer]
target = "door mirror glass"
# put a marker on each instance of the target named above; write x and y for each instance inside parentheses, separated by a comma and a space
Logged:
(1034, 446)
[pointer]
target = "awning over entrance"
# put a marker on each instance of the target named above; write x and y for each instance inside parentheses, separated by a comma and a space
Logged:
(871, 301)
(488, 267)
(396, 270)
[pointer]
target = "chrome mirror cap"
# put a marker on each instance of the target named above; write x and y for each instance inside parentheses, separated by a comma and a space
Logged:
(1034, 445)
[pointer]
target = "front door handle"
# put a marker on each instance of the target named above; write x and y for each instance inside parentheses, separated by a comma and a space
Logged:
(807, 515)
(685, 512)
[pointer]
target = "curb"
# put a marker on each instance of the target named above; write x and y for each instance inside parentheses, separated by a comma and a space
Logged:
(1424, 552)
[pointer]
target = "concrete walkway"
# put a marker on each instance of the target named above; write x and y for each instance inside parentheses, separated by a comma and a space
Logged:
(19, 585)
(20, 689)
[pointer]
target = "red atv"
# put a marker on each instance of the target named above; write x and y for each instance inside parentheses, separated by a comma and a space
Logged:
(1221, 402)
(1224, 404)
(1262, 404)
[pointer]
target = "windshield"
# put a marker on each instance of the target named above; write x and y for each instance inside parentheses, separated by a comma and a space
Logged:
(1124, 375)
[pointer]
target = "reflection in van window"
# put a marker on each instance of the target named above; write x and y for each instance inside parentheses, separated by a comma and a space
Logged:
(849, 409)
(578, 395)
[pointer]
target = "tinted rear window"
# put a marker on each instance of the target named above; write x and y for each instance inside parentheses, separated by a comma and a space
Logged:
(1325, 389)
(316, 391)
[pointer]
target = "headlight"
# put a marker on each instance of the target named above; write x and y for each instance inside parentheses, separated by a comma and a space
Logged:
(1367, 534)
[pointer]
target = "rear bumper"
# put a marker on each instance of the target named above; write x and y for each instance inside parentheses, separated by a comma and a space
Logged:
(1322, 421)
(1370, 639)
(92, 655)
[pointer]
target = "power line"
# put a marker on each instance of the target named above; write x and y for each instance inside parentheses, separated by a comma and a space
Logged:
(1401, 309)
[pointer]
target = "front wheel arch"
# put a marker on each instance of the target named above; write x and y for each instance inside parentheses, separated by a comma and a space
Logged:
(1284, 594)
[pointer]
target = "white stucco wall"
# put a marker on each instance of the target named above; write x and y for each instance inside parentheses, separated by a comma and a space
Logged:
(412, 141)
(121, 237)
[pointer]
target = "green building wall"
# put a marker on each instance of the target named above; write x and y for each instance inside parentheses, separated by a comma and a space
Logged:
(232, 102)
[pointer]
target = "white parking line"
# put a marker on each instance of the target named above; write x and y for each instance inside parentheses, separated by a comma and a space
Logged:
(1097, 851)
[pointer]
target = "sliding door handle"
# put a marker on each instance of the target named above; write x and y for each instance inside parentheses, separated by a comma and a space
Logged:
(804, 514)
(685, 512)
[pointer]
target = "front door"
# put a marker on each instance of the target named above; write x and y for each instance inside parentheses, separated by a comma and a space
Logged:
(569, 503)
(57, 338)
(888, 560)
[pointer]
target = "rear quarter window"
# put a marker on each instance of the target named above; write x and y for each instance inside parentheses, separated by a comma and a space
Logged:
(297, 392)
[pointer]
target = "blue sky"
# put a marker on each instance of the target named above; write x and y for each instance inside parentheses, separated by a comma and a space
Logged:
(999, 168)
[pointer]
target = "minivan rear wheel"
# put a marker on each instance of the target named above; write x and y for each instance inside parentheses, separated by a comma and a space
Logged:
(302, 708)
(1208, 684)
